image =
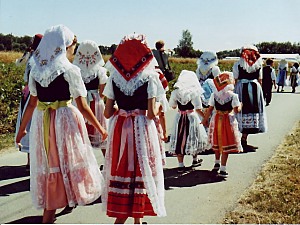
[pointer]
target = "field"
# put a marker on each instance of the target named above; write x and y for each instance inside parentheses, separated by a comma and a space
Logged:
(273, 197)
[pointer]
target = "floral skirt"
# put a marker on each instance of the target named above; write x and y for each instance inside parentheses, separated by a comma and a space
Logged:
(68, 173)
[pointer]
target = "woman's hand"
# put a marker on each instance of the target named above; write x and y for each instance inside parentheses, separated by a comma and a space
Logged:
(20, 135)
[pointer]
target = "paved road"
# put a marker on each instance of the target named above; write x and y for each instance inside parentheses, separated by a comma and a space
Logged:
(192, 198)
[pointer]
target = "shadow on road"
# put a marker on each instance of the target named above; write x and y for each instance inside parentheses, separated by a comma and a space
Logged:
(11, 172)
(189, 178)
(16, 187)
(28, 220)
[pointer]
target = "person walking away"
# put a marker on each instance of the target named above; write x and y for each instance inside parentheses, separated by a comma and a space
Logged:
(207, 70)
(133, 169)
(247, 72)
(26, 95)
(90, 61)
(188, 136)
(268, 80)
(282, 74)
(63, 170)
(163, 60)
(294, 76)
(223, 135)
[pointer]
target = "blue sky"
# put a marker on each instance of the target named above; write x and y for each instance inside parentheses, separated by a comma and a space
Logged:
(214, 24)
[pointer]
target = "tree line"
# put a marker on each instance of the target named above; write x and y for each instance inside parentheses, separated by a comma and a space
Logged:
(184, 48)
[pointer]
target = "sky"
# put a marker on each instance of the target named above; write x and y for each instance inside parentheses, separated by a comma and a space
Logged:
(215, 25)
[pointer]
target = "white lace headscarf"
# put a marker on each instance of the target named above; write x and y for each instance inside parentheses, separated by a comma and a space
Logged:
(250, 59)
(89, 59)
(188, 86)
(206, 62)
(50, 56)
(283, 64)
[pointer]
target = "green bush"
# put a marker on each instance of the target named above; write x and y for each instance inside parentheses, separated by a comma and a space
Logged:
(11, 81)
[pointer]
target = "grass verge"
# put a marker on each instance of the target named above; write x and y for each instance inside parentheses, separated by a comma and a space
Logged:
(274, 196)
(7, 141)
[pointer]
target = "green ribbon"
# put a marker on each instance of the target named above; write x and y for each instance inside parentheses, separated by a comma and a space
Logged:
(45, 106)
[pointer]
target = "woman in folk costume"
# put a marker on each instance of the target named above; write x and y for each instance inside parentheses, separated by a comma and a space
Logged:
(64, 170)
(25, 94)
(248, 74)
(133, 171)
(89, 59)
(223, 134)
(206, 71)
(282, 74)
(188, 136)
(294, 76)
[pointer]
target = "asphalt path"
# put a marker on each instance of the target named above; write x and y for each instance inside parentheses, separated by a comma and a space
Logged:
(195, 197)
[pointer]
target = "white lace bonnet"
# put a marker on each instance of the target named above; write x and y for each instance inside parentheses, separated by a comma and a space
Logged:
(50, 57)
(188, 86)
(206, 62)
(283, 64)
(89, 59)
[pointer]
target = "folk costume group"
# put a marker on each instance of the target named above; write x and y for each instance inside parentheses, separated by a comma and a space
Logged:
(215, 110)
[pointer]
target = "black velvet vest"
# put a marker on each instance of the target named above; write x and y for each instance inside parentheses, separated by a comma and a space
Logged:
(188, 106)
(58, 89)
(93, 84)
(226, 107)
(139, 100)
(243, 74)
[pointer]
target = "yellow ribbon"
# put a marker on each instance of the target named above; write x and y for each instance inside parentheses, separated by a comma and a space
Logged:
(45, 106)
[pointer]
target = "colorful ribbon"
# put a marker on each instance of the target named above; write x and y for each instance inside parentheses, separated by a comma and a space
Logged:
(45, 106)
(127, 135)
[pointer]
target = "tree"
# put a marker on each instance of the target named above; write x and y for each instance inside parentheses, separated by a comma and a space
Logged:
(185, 46)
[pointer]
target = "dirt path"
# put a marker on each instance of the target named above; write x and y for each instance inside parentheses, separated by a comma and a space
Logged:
(191, 198)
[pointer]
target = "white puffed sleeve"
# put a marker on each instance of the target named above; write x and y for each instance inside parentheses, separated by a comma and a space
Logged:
(235, 101)
(173, 99)
(196, 101)
(76, 85)
(215, 71)
(260, 75)
(102, 75)
(108, 90)
(235, 70)
(155, 88)
(211, 101)
(32, 86)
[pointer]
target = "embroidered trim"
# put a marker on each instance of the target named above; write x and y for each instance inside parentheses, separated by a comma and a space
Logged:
(129, 74)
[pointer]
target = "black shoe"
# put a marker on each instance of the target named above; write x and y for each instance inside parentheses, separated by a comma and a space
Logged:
(277, 90)
(68, 209)
(267, 104)
(216, 167)
(196, 163)
(181, 169)
(223, 174)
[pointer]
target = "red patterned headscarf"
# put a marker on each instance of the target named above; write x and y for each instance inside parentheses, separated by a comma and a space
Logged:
(131, 56)
(222, 80)
(250, 56)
